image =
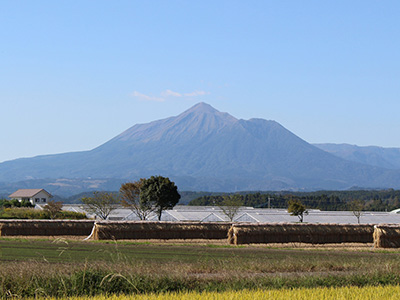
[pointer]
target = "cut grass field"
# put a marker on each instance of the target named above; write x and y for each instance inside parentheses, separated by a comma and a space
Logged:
(187, 259)
(64, 268)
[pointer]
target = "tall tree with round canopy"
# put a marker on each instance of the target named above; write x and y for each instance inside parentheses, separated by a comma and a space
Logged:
(160, 192)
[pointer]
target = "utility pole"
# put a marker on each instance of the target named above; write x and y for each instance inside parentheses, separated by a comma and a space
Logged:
(269, 202)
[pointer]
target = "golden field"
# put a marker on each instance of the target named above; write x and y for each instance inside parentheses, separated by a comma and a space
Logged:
(354, 293)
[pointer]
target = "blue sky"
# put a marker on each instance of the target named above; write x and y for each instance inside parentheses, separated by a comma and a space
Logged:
(74, 74)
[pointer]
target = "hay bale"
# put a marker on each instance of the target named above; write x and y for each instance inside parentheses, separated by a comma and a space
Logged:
(231, 236)
(45, 227)
(387, 236)
(263, 233)
(135, 230)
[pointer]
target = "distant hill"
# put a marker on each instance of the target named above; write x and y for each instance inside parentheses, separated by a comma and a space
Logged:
(375, 156)
(201, 149)
(62, 187)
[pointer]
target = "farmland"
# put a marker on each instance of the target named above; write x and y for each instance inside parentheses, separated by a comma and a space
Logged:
(354, 293)
(61, 267)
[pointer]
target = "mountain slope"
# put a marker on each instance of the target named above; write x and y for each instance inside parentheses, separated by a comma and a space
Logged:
(204, 149)
(388, 158)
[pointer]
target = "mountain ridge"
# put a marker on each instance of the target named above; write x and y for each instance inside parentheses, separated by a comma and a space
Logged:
(204, 149)
(388, 158)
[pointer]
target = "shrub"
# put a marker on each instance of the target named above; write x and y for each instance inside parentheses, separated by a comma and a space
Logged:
(23, 213)
(15, 203)
(71, 215)
(31, 213)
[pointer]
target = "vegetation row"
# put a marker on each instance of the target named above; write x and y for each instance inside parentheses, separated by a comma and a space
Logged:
(100, 282)
(34, 214)
(383, 200)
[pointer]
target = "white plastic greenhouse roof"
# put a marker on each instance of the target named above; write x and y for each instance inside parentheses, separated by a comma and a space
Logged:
(249, 214)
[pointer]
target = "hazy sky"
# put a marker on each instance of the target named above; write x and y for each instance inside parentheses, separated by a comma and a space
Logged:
(74, 74)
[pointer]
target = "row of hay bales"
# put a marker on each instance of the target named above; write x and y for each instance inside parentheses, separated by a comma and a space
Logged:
(263, 233)
(124, 230)
(254, 233)
(116, 230)
(45, 227)
(383, 236)
(387, 236)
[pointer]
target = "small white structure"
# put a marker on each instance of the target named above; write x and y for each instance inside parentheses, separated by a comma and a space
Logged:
(35, 196)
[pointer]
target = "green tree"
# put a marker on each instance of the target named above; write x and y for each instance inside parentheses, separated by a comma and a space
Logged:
(130, 198)
(15, 203)
(101, 204)
(160, 193)
(7, 204)
(296, 208)
(230, 205)
(26, 203)
(53, 208)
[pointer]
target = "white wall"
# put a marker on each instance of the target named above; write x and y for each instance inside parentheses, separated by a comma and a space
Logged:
(42, 196)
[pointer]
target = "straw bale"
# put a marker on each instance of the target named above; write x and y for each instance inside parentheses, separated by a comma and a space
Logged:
(387, 236)
(119, 230)
(263, 233)
(45, 227)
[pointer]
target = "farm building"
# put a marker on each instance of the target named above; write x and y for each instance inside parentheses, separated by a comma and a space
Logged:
(35, 196)
(183, 213)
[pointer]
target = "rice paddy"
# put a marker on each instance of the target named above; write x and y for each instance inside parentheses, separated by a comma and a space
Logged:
(354, 293)
(197, 269)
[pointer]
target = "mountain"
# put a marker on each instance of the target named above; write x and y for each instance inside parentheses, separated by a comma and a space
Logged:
(204, 149)
(371, 155)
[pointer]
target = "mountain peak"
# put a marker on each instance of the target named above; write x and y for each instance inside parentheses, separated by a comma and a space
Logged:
(200, 120)
(202, 107)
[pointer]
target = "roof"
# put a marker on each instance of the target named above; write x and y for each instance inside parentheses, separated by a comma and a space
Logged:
(253, 215)
(27, 193)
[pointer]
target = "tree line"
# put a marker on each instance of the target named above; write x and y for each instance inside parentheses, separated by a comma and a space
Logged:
(144, 197)
(383, 200)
